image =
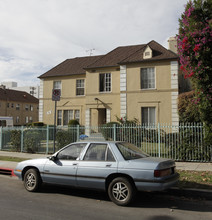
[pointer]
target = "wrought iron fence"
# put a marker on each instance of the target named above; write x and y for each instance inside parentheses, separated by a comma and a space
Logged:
(182, 143)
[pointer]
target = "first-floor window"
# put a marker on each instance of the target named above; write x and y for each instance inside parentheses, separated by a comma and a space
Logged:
(148, 115)
(67, 116)
(59, 117)
(77, 115)
(30, 119)
(17, 119)
(27, 119)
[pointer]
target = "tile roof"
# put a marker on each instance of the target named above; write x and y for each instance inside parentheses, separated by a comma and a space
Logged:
(17, 96)
(71, 67)
(131, 54)
(116, 57)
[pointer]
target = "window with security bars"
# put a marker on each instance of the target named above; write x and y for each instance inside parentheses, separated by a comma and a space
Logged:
(148, 115)
(80, 87)
(148, 78)
(105, 82)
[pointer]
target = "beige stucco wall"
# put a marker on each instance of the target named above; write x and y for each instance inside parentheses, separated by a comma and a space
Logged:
(160, 97)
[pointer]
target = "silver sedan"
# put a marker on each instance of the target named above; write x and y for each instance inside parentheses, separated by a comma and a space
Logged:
(119, 168)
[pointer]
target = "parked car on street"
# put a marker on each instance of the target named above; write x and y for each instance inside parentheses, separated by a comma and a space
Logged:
(119, 168)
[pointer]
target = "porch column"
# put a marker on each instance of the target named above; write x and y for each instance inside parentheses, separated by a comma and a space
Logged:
(123, 89)
(87, 121)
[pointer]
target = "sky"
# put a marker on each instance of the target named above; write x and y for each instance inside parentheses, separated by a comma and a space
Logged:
(36, 35)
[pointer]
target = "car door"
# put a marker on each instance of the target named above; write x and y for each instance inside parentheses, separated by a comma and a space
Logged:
(62, 170)
(97, 163)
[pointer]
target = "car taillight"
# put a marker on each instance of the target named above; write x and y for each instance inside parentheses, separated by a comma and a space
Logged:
(162, 173)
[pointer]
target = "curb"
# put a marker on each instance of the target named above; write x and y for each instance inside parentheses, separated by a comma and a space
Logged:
(7, 171)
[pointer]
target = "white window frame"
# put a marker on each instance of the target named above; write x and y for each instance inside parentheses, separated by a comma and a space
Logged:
(148, 115)
(151, 83)
(107, 84)
(57, 85)
(59, 117)
(77, 115)
(80, 84)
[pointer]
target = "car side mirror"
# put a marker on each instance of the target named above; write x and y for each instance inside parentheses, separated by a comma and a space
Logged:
(53, 158)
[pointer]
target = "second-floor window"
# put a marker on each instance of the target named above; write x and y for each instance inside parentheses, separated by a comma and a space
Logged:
(80, 87)
(57, 85)
(105, 82)
(148, 78)
(26, 107)
(17, 106)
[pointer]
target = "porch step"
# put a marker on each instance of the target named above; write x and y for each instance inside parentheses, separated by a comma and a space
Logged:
(95, 137)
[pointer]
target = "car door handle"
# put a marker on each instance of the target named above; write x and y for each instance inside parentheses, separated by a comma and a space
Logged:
(74, 164)
(108, 165)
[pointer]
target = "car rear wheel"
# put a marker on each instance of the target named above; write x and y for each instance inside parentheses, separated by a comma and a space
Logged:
(121, 191)
(32, 180)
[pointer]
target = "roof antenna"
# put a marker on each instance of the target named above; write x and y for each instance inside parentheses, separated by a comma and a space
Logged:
(90, 51)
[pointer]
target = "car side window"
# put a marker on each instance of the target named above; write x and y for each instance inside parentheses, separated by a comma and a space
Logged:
(98, 152)
(71, 152)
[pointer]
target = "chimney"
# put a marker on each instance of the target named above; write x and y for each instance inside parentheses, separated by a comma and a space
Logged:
(172, 44)
(2, 87)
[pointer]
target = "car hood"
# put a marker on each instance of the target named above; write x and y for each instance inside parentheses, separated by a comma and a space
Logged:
(33, 162)
(151, 163)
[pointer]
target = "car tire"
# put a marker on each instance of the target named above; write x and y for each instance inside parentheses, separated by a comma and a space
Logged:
(32, 180)
(121, 191)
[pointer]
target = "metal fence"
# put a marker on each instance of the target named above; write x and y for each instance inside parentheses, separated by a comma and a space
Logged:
(181, 143)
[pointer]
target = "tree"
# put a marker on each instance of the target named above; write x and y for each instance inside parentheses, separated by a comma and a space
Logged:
(195, 51)
(187, 108)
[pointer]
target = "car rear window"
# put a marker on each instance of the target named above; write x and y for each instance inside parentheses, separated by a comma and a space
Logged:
(130, 151)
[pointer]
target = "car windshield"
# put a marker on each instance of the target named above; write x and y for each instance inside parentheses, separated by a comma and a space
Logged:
(130, 151)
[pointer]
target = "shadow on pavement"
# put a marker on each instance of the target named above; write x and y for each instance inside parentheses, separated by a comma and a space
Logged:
(143, 199)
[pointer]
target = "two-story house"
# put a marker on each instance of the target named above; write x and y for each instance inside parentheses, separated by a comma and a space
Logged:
(19, 105)
(139, 81)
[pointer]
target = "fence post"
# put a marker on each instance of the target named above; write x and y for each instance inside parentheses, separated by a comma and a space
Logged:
(114, 132)
(1, 131)
(159, 139)
(22, 138)
(78, 132)
(47, 139)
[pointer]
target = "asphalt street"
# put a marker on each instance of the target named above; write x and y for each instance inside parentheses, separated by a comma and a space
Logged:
(55, 202)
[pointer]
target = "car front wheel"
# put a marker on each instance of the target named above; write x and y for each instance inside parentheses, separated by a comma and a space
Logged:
(32, 180)
(121, 191)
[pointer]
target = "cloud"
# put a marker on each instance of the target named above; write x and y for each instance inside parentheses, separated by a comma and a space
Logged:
(38, 34)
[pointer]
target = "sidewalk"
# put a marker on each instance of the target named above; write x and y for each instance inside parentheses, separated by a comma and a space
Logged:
(179, 165)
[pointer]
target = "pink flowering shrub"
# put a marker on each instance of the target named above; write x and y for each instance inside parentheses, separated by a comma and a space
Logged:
(195, 52)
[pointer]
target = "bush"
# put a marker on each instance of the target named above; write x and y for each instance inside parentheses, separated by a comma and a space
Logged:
(16, 140)
(65, 137)
(73, 122)
(107, 130)
(187, 107)
(32, 140)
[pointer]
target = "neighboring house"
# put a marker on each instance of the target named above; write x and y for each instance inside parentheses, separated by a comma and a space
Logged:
(22, 106)
(139, 81)
(32, 90)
